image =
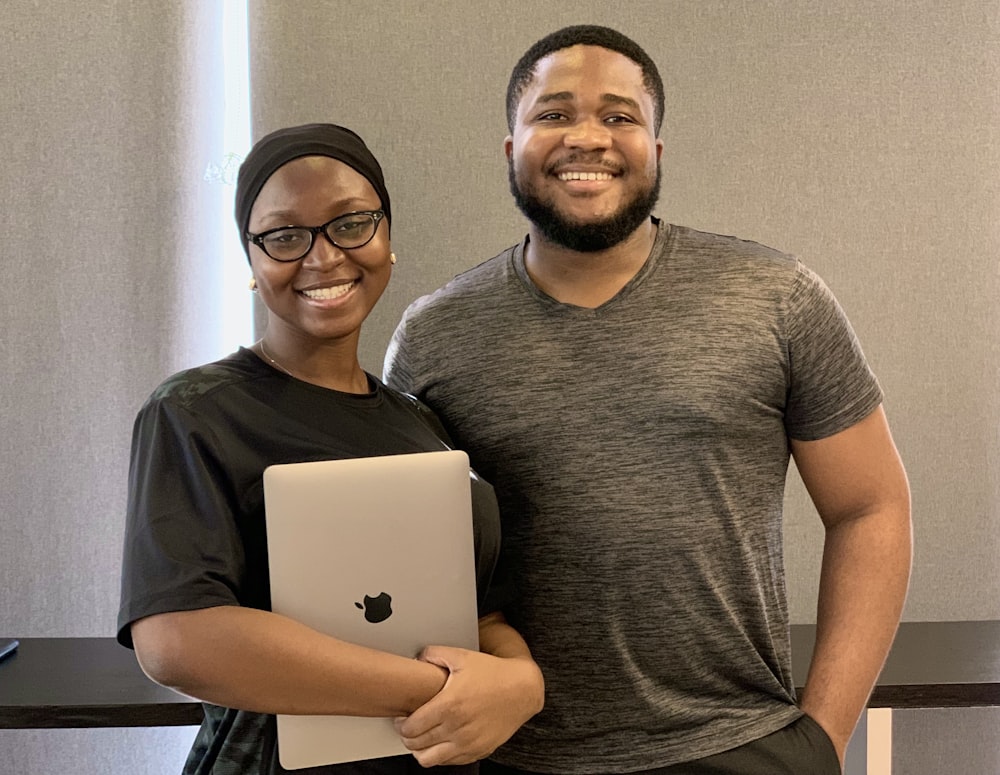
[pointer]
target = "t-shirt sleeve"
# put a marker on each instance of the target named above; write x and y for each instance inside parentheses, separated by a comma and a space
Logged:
(831, 384)
(182, 549)
(486, 524)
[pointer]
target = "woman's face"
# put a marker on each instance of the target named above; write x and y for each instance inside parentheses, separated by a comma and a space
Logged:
(327, 294)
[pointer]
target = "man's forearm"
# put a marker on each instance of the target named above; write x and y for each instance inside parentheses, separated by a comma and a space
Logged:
(866, 567)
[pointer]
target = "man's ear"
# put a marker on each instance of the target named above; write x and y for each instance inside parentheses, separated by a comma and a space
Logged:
(508, 146)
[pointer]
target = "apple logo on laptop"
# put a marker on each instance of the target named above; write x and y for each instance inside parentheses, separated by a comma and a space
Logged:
(377, 609)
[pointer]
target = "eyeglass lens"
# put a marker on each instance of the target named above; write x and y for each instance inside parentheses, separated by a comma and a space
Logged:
(349, 231)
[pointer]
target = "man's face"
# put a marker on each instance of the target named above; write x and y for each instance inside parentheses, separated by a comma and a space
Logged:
(584, 157)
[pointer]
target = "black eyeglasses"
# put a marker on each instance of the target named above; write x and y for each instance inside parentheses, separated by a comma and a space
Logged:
(291, 243)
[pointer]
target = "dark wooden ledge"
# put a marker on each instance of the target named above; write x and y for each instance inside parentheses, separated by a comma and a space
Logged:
(93, 682)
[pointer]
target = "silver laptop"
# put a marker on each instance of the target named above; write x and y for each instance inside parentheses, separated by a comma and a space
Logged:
(376, 551)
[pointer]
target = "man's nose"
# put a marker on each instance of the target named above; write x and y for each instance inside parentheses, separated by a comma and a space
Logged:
(588, 134)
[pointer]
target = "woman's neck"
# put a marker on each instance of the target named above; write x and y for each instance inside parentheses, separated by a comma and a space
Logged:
(330, 365)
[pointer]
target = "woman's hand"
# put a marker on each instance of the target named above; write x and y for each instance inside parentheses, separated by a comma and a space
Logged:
(487, 696)
(484, 701)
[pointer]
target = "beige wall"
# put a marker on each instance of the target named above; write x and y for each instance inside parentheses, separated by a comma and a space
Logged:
(860, 135)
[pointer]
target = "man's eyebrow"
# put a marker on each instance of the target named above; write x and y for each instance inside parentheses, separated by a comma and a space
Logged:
(618, 99)
(609, 98)
(557, 96)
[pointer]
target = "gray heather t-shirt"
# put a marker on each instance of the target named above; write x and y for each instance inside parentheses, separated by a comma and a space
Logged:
(639, 453)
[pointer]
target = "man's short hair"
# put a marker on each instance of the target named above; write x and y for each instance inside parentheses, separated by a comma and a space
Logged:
(584, 35)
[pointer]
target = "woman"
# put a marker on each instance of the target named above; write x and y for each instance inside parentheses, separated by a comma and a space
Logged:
(314, 216)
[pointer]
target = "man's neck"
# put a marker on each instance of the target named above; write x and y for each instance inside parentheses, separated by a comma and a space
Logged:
(586, 279)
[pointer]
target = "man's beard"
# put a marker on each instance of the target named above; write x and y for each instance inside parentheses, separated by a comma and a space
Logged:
(587, 237)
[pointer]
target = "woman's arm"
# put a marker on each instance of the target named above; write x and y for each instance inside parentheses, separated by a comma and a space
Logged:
(260, 661)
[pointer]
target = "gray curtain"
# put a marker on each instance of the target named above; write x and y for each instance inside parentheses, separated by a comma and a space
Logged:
(860, 135)
(111, 282)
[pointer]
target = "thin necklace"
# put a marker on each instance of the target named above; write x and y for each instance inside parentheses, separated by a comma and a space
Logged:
(267, 355)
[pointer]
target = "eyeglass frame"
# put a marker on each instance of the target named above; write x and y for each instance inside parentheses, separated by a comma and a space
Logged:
(258, 239)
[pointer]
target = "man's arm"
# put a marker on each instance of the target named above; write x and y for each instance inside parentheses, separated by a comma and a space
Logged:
(857, 482)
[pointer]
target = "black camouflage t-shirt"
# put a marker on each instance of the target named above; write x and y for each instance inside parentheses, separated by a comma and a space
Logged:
(195, 535)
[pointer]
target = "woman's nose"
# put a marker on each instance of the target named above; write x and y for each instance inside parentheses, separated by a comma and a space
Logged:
(323, 254)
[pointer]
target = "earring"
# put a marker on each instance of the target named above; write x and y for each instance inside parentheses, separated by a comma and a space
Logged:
(392, 258)
(253, 284)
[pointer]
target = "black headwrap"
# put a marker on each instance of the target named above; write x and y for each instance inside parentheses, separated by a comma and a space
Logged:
(282, 146)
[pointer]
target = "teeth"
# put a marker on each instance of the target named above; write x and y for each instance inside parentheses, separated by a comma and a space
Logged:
(585, 176)
(329, 293)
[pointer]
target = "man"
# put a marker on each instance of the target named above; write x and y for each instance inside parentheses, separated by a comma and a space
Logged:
(633, 389)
